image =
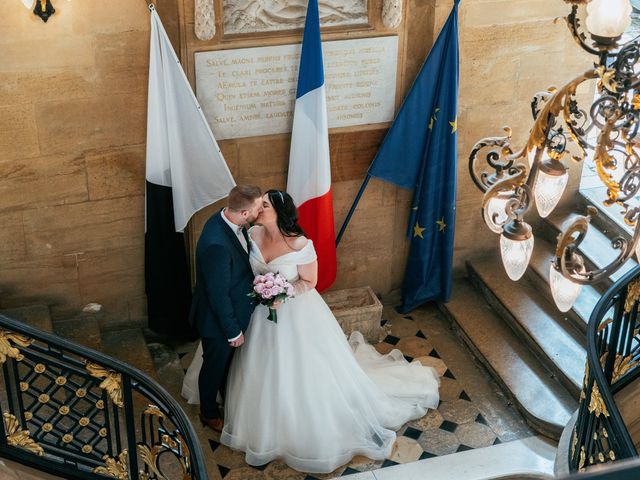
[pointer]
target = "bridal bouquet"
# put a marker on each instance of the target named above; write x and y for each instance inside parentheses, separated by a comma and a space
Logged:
(270, 288)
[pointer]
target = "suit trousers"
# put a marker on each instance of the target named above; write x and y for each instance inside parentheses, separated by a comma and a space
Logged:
(216, 358)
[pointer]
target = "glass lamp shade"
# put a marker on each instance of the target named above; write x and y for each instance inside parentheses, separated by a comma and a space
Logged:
(548, 190)
(495, 212)
(515, 255)
(608, 18)
(564, 291)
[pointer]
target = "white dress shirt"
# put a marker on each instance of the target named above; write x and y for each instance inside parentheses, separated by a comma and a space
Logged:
(237, 229)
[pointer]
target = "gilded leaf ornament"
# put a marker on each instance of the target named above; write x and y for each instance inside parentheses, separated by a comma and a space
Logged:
(597, 405)
(112, 382)
(607, 81)
(6, 347)
(633, 294)
(149, 456)
(16, 437)
(622, 365)
(116, 468)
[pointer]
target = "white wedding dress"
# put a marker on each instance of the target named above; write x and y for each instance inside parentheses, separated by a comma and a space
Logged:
(299, 392)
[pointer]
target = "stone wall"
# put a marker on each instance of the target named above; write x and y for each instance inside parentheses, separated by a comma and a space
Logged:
(72, 133)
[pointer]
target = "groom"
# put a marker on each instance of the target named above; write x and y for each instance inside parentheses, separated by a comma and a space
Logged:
(221, 308)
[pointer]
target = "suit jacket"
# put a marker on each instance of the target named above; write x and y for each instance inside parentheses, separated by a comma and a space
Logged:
(220, 306)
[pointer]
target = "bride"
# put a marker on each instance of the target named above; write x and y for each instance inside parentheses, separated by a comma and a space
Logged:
(297, 390)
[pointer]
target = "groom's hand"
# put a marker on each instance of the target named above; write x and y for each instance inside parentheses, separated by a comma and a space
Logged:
(238, 341)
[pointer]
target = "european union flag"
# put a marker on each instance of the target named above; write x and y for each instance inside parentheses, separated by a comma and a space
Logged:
(420, 153)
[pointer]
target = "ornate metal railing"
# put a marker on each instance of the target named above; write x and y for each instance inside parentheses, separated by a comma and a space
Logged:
(79, 414)
(613, 361)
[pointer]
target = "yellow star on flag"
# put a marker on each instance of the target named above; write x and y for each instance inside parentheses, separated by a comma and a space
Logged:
(418, 230)
(454, 125)
(441, 225)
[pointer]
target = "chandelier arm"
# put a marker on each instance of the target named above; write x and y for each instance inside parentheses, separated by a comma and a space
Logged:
(573, 22)
(570, 261)
(484, 181)
(550, 111)
(604, 161)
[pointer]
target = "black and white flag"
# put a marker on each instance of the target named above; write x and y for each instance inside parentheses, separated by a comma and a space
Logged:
(185, 172)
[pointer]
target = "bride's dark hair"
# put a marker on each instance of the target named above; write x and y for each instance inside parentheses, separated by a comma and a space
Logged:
(287, 213)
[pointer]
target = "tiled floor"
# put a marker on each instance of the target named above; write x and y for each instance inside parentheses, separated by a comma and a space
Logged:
(472, 412)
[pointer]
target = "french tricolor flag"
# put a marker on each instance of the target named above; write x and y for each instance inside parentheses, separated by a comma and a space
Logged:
(309, 181)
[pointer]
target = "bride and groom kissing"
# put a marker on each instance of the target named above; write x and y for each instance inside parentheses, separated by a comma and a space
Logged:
(295, 390)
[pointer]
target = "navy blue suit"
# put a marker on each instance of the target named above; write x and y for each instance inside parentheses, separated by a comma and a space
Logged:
(220, 309)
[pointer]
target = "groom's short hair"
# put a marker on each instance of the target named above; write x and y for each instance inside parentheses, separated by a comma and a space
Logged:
(241, 197)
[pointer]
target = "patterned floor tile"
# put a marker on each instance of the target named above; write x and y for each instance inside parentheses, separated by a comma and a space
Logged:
(448, 426)
(475, 435)
(434, 363)
(431, 421)
(414, 346)
(405, 450)
(411, 432)
(439, 442)
(401, 327)
(449, 389)
(459, 411)
(390, 339)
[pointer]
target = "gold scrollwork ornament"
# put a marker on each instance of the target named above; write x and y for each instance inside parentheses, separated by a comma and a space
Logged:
(7, 350)
(112, 382)
(116, 468)
(597, 405)
(16, 437)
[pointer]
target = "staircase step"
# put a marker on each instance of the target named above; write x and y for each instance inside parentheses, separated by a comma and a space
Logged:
(38, 316)
(538, 273)
(83, 329)
(546, 405)
(596, 246)
(130, 347)
(534, 319)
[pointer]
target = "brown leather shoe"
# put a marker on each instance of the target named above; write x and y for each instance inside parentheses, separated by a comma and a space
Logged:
(215, 424)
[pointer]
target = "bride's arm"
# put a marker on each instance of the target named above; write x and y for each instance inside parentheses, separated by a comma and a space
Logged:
(308, 277)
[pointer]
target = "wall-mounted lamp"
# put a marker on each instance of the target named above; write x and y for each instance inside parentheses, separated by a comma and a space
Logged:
(43, 8)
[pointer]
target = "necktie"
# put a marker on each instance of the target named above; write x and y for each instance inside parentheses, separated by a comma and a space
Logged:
(246, 237)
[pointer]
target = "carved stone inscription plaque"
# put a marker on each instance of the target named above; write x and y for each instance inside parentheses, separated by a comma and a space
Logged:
(246, 16)
(251, 91)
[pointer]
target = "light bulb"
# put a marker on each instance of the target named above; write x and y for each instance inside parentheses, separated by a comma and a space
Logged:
(608, 18)
(550, 183)
(495, 213)
(516, 246)
(27, 3)
(564, 291)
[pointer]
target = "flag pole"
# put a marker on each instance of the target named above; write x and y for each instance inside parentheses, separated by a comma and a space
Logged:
(352, 209)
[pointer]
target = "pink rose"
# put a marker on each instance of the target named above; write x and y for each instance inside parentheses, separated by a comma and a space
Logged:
(259, 288)
(269, 283)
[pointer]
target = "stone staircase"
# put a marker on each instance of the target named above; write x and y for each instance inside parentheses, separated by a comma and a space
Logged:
(535, 352)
